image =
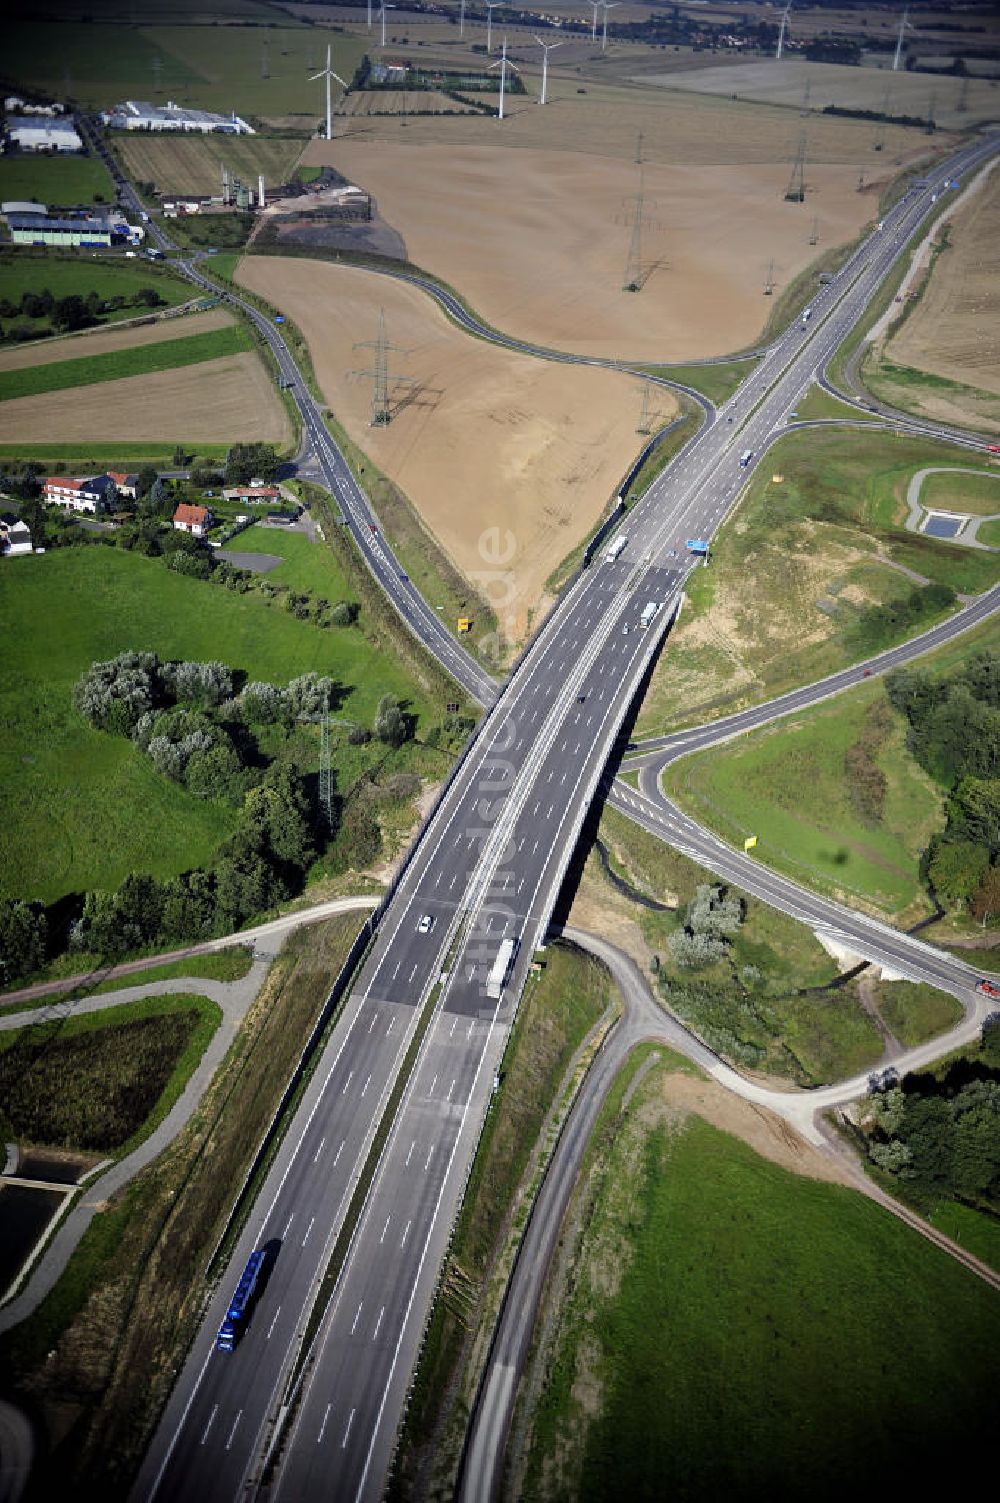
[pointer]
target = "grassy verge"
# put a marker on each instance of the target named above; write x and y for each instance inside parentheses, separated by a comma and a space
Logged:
(915, 1012)
(716, 382)
(973, 1229)
(818, 403)
(230, 964)
(102, 1081)
(67, 458)
(724, 1331)
(816, 541)
(558, 1010)
(141, 360)
(773, 1002)
(795, 785)
(99, 1353)
(956, 490)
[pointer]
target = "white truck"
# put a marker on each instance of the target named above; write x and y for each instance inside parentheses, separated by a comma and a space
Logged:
(616, 550)
(745, 458)
(497, 979)
(649, 611)
(806, 316)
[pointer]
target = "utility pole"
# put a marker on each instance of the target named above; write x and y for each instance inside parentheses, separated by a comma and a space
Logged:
(379, 373)
(646, 415)
(814, 231)
(636, 216)
(638, 150)
(265, 63)
(769, 279)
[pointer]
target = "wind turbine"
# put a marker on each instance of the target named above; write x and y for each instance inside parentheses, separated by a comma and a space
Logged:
(607, 5)
(382, 12)
(369, 15)
(461, 22)
(781, 33)
(904, 25)
(595, 6)
(546, 49)
(328, 74)
(491, 6)
(503, 63)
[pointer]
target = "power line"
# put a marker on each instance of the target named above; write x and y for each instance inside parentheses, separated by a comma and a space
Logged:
(379, 375)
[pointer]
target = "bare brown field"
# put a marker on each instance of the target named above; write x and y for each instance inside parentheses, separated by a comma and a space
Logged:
(400, 102)
(957, 103)
(219, 401)
(538, 241)
(104, 341)
(954, 331)
(485, 439)
(193, 164)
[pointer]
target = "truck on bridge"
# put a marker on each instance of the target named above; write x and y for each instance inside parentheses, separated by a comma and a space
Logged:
(617, 549)
(649, 611)
(497, 978)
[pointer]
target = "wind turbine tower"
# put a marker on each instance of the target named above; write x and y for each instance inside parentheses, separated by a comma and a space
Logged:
(379, 373)
(328, 74)
(382, 12)
(606, 6)
(595, 6)
(503, 63)
(461, 20)
(546, 47)
(781, 33)
(491, 6)
(369, 15)
(904, 26)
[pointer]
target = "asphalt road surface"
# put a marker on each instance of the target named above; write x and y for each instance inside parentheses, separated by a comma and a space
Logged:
(488, 866)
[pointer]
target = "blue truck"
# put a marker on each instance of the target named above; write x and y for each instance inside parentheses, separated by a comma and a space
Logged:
(697, 545)
(241, 1303)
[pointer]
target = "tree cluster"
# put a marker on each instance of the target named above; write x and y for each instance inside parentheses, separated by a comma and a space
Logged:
(23, 939)
(713, 916)
(879, 625)
(246, 462)
(954, 733)
(75, 311)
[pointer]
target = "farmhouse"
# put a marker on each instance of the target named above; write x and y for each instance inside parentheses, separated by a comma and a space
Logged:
(80, 494)
(139, 114)
(193, 519)
(33, 134)
(124, 484)
(264, 495)
(14, 538)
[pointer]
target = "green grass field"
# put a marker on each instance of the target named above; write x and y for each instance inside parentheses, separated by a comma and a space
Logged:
(820, 404)
(64, 276)
(230, 964)
(141, 360)
(973, 1229)
(308, 566)
(787, 785)
(916, 1012)
(731, 1329)
(80, 456)
(62, 181)
(958, 491)
(91, 808)
(717, 382)
(989, 533)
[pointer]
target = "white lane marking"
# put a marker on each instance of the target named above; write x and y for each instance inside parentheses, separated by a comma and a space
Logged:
(396, 971)
(454, 879)
(406, 1232)
(451, 1030)
(385, 1229)
(319, 1149)
(287, 1225)
(343, 1443)
(389, 1029)
(338, 1153)
(378, 1323)
(549, 815)
(433, 1084)
(366, 1085)
(211, 1417)
(357, 1317)
(472, 1025)
(274, 1322)
(410, 1154)
(427, 1164)
(233, 1430)
(322, 1427)
(450, 1089)
(309, 1228)
(414, 971)
(374, 1020)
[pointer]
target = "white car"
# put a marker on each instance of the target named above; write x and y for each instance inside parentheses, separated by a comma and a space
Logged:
(426, 924)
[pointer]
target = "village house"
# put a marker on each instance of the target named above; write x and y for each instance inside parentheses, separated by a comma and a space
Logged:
(80, 493)
(261, 495)
(14, 538)
(124, 484)
(193, 519)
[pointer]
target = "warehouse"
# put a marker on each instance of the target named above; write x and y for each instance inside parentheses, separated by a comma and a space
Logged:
(73, 229)
(39, 134)
(139, 114)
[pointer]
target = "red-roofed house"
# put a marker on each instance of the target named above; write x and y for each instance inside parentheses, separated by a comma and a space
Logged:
(80, 494)
(125, 484)
(193, 519)
(266, 495)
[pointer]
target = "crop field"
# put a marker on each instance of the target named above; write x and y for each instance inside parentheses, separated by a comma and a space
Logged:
(228, 400)
(551, 442)
(794, 566)
(104, 341)
(139, 360)
(722, 1330)
(788, 785)
(66, 182)
(954, 331)
(401, 102)
(91, 807)
(555, 272)
(193, 163)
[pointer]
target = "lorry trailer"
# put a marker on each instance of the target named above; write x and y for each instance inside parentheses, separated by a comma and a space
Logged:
(616, 550)
(239, 1306)
(497, 979)
(649, 611)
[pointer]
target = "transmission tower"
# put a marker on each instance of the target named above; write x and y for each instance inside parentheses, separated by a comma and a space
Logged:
(930, 127)
(805, 110)
(635, 215)
(861, 182)
(379, 373)
(795, 193)
(646, 415)
(325, 770)
(879, 143)
(962, 103)
(265, 63)
(769, 279)
(638, 150)
(814, 231)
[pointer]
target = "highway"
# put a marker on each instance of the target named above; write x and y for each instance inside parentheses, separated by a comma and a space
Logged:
(488, 865)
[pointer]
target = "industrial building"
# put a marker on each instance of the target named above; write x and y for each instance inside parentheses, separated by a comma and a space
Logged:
(36, 133)
(73, 228)
(139, 114)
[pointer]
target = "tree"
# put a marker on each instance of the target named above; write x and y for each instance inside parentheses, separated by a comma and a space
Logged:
(145, 480)
(244, 462)
(695, 949)
(390, 725)
(974, 812)
(23, 938)
(148, 297)
(956, 869)
(714, 911)
(344, 613)
(114, 694)
(985, 903)
(263, 704)
(71, 313)
(33, 513)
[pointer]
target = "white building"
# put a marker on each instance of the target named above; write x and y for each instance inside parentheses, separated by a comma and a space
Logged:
(14, 539)
(42, 135)
(79, 494)
(139, 114)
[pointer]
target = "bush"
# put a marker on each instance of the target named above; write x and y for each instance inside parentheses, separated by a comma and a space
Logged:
(113, 695)
(23, 937)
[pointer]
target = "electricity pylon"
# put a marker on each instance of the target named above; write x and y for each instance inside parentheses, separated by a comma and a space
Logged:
(814, 231)
(806, 109)
(325, 770)
(796, 191)
(646, 415)
(379, 373)
(769, 279)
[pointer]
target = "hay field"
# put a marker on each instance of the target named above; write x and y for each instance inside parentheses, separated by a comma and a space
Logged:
(193, 164)
(954, 331)
(220, 401)
(538, 241)
(486, 438)
(400, 102)
(771, 82)
(105, 341)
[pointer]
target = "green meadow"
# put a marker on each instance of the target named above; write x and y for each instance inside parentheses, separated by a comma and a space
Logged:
(140, 360)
